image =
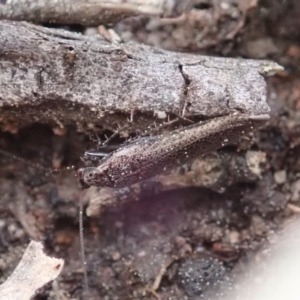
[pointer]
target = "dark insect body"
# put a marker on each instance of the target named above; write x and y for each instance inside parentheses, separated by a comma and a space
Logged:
(149, 156)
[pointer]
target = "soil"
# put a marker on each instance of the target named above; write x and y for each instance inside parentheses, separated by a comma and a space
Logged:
(184, 243)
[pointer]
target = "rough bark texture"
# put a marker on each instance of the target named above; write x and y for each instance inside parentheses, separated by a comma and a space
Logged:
(87, 13)
(49, 75)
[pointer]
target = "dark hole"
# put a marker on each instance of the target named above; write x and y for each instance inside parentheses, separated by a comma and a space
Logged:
(206, 274)
(202, 5)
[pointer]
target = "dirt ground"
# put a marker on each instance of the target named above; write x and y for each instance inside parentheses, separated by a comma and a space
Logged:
(180, 244)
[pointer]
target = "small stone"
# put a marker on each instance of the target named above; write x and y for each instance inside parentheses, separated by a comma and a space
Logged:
(280, 177)
(197, 274)
(19, 233)
(116, 255)
(254, 159)
(209, 233)
(180, 241)
(234, 237)
(295, 189)
(89, 31)
(258, 226)
(160, 114)
(12, 228)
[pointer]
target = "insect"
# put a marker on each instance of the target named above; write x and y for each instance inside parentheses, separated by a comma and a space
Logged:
(149, 156)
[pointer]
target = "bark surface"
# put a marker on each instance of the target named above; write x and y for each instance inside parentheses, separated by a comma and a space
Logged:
(87, 13)
(57, 77)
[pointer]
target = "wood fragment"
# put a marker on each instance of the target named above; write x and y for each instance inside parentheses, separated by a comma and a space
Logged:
(49, 76)
(88, 13)
(294, 208)
(33, 272)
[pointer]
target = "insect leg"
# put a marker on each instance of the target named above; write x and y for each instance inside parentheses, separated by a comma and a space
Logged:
(113, 135)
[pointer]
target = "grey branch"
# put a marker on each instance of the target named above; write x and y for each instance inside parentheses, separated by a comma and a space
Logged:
(33, 272)
(88, 13)
(55, 76)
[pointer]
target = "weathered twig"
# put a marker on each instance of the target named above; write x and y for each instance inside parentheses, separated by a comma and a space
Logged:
(33, 272)
(88, 13)
(50, 76)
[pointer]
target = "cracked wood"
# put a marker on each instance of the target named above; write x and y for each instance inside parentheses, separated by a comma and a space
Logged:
(49, 76)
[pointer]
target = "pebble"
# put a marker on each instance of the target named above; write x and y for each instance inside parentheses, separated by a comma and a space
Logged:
(196, 274)
(254, 160)
(234, 237)
(295, 189)
(258, 226)
(160, 114)
(180, 241)
(89, 31)
(116, 255)
(280, 177)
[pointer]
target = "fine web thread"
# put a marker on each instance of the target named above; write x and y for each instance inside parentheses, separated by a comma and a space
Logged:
(82, 248)
(81, 234)
(36, 165)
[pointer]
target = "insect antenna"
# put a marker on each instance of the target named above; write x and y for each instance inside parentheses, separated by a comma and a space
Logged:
(82, 248)
(38, 166)
(50, 171)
